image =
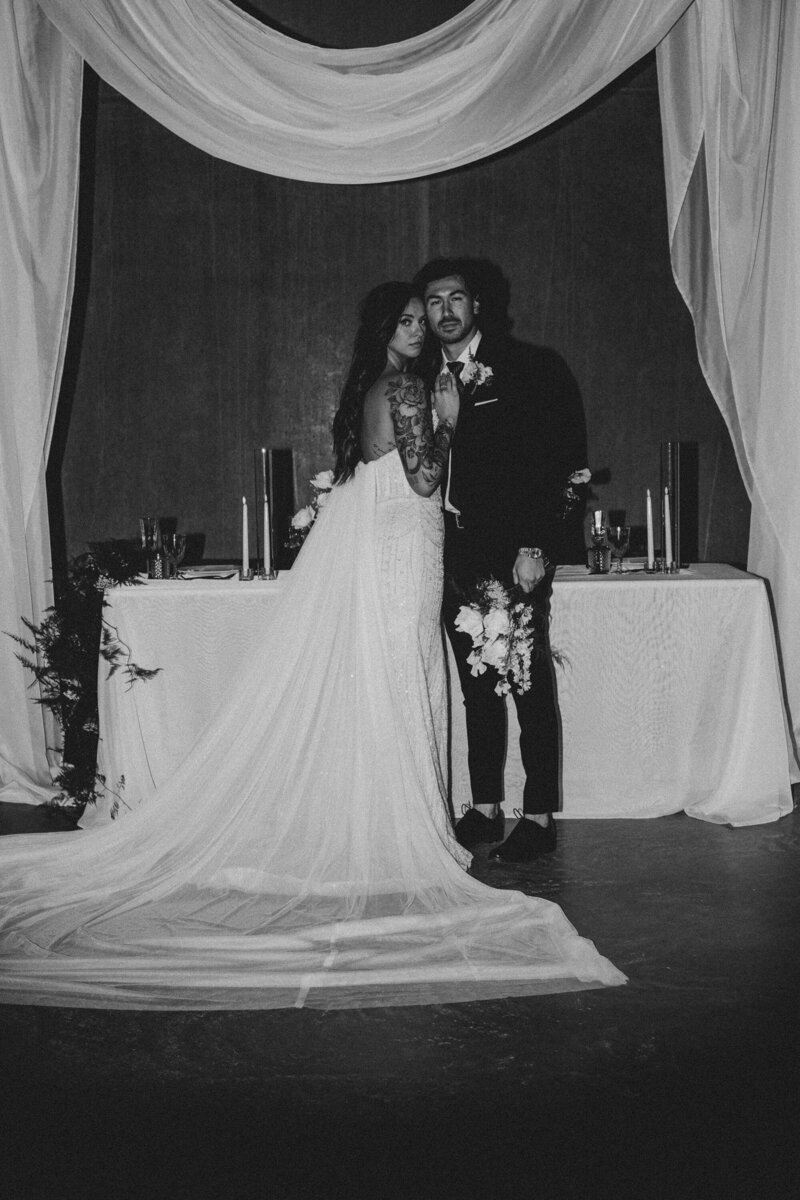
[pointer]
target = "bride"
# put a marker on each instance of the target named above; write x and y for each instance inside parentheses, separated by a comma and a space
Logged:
(302, 854)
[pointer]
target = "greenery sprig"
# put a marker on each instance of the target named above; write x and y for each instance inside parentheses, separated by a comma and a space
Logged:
(61, 653)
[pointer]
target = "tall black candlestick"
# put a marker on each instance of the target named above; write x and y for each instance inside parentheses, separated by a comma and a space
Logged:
(271, 511)
(256, 509)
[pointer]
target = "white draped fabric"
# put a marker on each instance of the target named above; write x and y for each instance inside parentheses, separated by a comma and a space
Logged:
(40, 99)
(491, 76)
(729, 79)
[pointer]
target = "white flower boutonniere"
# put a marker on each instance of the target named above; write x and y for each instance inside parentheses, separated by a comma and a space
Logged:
(571, 497)
(475, 373)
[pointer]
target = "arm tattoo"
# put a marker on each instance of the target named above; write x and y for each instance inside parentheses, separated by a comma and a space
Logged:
(423, 452)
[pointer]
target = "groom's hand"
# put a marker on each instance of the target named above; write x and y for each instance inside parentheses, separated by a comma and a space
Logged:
(528, 572)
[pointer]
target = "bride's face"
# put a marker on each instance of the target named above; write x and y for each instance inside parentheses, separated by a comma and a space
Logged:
(410, 332)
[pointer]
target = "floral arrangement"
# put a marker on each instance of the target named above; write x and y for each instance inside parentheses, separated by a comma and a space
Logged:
(571, 497)
(304, 518)
(474, 372)
(508, 631)
(61, 652)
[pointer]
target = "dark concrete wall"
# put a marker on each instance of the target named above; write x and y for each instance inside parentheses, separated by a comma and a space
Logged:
(216, 305)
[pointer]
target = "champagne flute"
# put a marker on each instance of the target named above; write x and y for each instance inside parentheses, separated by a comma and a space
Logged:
(150, 539)
(619, 539)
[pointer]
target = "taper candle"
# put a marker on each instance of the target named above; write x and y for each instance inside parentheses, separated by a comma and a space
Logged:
(667, 529)
(651, 555)
(245, 538)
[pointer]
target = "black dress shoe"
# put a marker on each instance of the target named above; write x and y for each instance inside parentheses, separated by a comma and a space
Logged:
(527, 840)
(474, 828)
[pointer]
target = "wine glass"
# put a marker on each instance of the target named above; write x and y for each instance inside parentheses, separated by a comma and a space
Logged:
(174, 546)
(619, 538)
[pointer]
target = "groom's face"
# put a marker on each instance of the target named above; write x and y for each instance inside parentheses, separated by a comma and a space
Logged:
(452, 313)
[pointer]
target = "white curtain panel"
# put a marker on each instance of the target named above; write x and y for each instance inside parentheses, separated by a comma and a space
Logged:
(491, 76)
(729, 79)
(40, 98)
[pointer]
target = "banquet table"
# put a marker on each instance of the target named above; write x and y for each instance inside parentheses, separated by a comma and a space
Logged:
(668, 686)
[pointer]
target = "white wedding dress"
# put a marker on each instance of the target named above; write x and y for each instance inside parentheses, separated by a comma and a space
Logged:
(302, 853)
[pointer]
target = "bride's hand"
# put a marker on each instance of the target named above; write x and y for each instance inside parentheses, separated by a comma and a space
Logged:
(446, 399)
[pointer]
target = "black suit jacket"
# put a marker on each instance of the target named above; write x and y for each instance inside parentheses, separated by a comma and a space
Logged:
(518, 439)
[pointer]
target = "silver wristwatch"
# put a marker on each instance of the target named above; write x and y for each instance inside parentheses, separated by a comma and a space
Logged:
(530, 551)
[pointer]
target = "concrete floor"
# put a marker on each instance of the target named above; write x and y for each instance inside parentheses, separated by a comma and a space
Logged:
(681, 1085)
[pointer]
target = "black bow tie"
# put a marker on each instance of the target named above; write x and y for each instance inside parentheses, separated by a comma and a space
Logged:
(455, 368)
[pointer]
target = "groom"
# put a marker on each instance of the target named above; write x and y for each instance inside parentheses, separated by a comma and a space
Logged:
(520, 436)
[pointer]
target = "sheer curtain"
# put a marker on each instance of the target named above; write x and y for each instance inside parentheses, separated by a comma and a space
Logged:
(491, 76)
(40, 98)
(729, 79)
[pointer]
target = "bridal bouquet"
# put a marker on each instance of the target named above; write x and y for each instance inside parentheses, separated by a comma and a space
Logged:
(304, 518)
(506, 634)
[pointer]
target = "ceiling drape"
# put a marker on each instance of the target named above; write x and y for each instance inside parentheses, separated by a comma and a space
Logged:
(494, 74)
(489, 77)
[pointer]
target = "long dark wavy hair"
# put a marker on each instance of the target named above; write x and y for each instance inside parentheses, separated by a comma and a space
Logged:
(378, 316)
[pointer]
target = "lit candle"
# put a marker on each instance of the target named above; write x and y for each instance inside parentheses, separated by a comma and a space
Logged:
(667, 528)
(245, 539)
(598, 520)
(651, 557)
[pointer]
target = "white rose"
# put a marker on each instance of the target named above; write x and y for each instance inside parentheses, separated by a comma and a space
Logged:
(496, 623)
(469, 621)
(303, 517)
(580, 477)
(495, 653)
(322, 499)
(476, 663)
(323, 481)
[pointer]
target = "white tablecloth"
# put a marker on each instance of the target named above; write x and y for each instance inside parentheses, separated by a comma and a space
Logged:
(669, 692)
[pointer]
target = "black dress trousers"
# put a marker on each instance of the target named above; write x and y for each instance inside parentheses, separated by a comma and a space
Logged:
(487, 726)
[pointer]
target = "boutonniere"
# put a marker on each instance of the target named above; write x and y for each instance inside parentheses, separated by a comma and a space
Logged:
(475, 374)
(572, 495)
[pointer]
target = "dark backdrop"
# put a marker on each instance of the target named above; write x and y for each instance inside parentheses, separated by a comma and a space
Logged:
(215, 306)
